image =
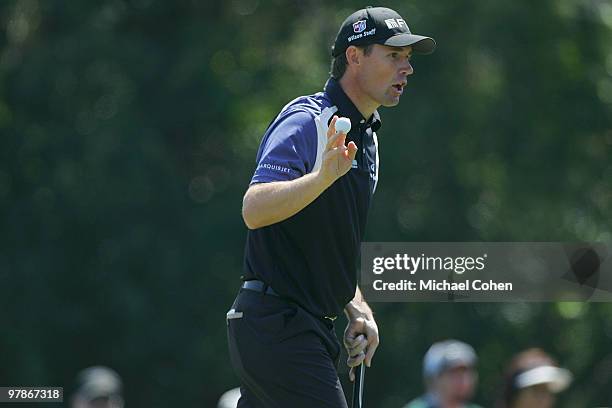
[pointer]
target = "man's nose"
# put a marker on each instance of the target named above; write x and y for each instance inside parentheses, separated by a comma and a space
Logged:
(407, 69)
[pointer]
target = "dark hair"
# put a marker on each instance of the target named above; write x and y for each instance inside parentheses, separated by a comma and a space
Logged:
(339, 63)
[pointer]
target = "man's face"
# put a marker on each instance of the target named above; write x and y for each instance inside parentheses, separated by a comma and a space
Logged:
(456, 384)
(383, 73)
(537, 396)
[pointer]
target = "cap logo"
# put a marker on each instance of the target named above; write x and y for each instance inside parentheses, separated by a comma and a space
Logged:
(359, 26)
(396, 23)
(361, 35)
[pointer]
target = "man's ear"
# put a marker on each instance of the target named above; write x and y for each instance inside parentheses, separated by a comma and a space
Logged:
(353, 55)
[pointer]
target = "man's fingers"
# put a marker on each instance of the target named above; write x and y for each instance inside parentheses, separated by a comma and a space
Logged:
(332, 141)
(372, 346)
(352, 150)
(354, 334)
(352, 342)
(358, 347)
(332, 127)
(360, 337)
(356, 360)
(336, 140)
(356, 327)
(341, 139)
(336, 151)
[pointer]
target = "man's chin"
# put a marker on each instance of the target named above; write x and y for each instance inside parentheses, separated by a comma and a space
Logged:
(391, 102)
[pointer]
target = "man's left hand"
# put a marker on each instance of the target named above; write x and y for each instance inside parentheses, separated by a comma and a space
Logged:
(361, 340)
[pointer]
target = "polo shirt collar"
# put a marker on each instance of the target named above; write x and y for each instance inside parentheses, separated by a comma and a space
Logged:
(347, 107)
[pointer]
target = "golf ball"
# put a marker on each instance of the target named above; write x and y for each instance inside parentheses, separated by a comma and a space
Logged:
(343, 125)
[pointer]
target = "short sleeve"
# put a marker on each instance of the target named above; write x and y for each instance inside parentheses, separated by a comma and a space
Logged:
(288, 149)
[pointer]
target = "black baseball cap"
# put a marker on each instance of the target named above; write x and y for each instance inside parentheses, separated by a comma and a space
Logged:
(379, 25)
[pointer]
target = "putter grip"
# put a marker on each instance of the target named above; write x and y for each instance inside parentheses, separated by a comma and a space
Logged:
(358, 386)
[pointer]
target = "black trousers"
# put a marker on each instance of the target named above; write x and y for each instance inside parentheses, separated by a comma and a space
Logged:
(284, 356)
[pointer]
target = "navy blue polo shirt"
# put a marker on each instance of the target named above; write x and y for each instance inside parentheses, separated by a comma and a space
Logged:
(311, 258)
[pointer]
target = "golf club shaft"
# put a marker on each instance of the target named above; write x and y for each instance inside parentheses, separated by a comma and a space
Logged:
(358, 386)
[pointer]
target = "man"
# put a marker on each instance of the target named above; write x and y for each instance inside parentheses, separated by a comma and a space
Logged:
(98, 387)
(532, 380)
(306, 210)
(450, 378)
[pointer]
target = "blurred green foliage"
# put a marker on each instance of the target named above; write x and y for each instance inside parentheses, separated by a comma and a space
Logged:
(129, 131)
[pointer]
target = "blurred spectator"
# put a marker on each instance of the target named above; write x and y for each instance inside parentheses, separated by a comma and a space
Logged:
(98, 387)
(229, 399)
(450, 377)
(531, 381)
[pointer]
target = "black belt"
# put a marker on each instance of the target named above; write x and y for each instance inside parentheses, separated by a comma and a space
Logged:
(258, 286)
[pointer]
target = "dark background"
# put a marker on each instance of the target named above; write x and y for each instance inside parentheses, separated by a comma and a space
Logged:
(129, 131)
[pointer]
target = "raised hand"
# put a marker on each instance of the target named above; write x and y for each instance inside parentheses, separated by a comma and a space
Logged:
(337, 157)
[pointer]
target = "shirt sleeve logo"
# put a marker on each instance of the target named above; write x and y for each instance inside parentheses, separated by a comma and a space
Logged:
(274, 167)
